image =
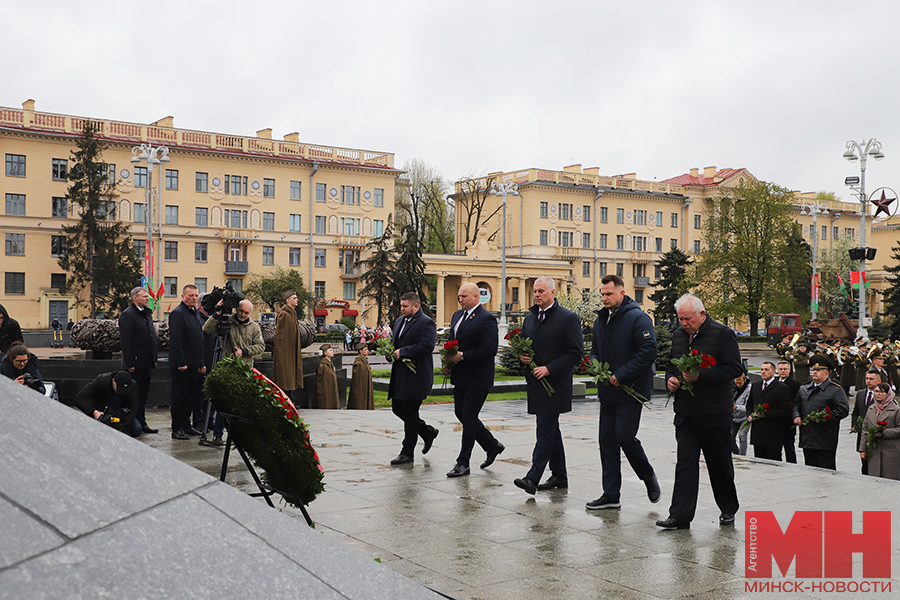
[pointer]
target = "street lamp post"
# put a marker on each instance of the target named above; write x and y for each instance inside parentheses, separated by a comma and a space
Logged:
(153, 155)
(861, 151)
(815, 209)
(502, 190)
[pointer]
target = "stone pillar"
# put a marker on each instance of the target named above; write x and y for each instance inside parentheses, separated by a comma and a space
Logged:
(523, 294)
(439, 315)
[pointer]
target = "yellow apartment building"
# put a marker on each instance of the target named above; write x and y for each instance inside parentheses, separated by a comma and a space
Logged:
(224, 207)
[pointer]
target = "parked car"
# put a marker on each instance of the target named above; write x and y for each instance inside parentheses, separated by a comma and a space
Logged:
(329, 327)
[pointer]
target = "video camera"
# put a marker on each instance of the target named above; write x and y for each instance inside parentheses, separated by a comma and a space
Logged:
(230, 299)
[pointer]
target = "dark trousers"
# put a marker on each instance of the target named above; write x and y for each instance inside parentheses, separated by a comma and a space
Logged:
(768, 452)
(790, 452)
(467, 403)
(141, 376)
(619, 422)
(413, 425)
(184, 387)
(548, 449)
(865, 466)
(819, 458)
(712, 436)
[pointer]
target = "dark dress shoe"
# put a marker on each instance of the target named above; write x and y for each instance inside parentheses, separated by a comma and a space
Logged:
(429, 440)
(526, 484)
(672, 523)
(192, 431)
(180, 435)
(726, 519)
(653, 491)
(147, 429)
(492, 455)
(458, 471)
(554, 482)
(402, 459)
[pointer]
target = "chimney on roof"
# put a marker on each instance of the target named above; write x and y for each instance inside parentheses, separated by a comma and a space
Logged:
(292, 137)
(695, 172)
(572, 169)
(28, 105)
(709, 171)
(264, 134)
(592, 171)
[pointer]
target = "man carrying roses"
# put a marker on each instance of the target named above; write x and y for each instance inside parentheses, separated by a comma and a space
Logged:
(769, 407)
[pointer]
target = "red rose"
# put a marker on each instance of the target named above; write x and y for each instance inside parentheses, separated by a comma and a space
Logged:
(694, 353)
(704, 365)
(882, 423)
(712, 361)
(765, 407)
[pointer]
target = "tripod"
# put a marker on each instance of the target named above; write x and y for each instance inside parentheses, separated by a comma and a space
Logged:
(223, 329)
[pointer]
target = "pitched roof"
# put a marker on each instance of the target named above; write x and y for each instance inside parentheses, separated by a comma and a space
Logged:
(700, 181)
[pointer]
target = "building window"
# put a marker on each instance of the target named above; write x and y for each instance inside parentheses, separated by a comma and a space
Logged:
(659, 244)
(201, 182)
(170, 287)
(268, 255)
(585, 240)
(294, 257)
(268, 221)
(835, 233)
(15, 244)
(603, 241)
(319, 289)
(268, 188)
(620, 242)
(659, 218)
(140, 212)
(320, 257)
(349, 290)
(59, 207)
(673, 243)
(696, 221)
(171, 179)
(15, 165)
(140, 177)
(379, 197)
(201, 217)
(236, 219)
(57, 245)
(106, 210)
(543, 210)
(60, 169)
(295, 224)
(601, 269)
(640, 217)
(320, 224)
(348, 194)
(350, 226)
(565, 212)
(139, 246)
(295, 190)
(58, 281)
(378, 228)
(15, 283)
(697, 247)
(585, 269)
(15, 205)
(657, 271)
(543, 237)
(586, 213)
(638, 270)
(604, 214)
(320, 192)
(850, 232)
(110, 175)
(639, 296)
(171, 250)
(200, 251)
(565, 239)
(200, 282)
(620, 215)
(171, 215)
(674, 222)
(824, 232)
(640, 243)
(620, 269)
(236, 284)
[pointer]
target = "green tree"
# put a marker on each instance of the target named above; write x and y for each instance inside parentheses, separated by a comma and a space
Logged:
(582, 304)
(378, 278)
(421, 198)
(832, 261)
(98, 255)
(795, 259)
(409, 269)
(746, 266)
(674, 282)
(892, 294)
(267, 288)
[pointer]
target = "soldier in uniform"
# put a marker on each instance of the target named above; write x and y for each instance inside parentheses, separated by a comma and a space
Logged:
(800, 362)
(819, 440)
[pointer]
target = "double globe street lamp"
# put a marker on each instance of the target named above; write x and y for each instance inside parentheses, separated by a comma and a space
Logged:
(815, 209)
(152, 155)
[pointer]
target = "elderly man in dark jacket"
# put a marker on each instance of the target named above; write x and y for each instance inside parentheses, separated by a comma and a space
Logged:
(109, 395)
(624, 337)
(139, 343)
(558, 346)
(819, 440)
(702, 415)
(186, 361)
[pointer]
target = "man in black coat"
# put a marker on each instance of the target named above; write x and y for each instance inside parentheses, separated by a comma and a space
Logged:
(624, 337)
(138, 337)
(864, 399)
(10, 332)
(413, 337)
(771, 398)
(819, 440)
(558, 346)
(109, 396)
(702, 415)
(186, 362)
(472, 375)
(790, 432)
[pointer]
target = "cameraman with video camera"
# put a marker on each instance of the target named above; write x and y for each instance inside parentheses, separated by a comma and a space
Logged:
(108, 399)
(242, 337)
(21, 366)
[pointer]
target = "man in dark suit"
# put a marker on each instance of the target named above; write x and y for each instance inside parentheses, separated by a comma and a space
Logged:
(558, 346)
(790, 432)
(702, 415)
(877, 359)
(772, 398)
(472, 375)
(186, 362)
(864, 399)
(138, 337)
(413, 338)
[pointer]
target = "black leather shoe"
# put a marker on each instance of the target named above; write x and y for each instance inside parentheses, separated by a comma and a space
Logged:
(653, 491)
(180, 435)
(726, 519)
(553, 482)
(458, 471)
(672, 523)
(192, 431)
(429, 440)
(402, 459)
(526, 484)
(147, 429)
(492, 455)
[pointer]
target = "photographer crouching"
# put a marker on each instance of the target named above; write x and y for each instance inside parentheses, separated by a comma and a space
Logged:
(21, 366)
(108, 399)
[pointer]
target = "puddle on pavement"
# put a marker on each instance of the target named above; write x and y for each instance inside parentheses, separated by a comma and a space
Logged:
(331, 445)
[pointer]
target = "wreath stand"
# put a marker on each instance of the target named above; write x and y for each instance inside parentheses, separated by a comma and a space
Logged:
(265, 490)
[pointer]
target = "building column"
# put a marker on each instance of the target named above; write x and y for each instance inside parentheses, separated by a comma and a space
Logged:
(524, 304)
(439, 315)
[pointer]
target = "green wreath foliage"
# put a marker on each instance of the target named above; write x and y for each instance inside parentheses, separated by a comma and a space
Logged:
(280, 435)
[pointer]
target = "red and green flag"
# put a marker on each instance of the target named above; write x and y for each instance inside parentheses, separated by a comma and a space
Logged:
(843, 286)
(856, 276)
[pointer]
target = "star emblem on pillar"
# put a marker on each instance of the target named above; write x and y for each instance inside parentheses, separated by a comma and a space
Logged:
(883, 205)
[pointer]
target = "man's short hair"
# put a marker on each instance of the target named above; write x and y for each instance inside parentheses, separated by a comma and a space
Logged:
(411, 297)
(695, 302)
(875, 372)
(613, 279)
(189, 286)
(550, 282)
(769, 362)
(135, 291)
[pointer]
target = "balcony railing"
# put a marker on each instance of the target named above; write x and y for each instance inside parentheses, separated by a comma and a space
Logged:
(567, 252)
(352, 241)
(241, 236)
(641, 282)
(350, 272)
(237, 267)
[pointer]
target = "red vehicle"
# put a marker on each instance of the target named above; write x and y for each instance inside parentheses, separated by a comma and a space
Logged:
(782, 325)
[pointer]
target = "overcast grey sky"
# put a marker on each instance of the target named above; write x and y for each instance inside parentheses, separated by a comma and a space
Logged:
(653, 87)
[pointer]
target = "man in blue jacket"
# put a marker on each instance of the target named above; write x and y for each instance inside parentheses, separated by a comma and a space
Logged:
(623, 337)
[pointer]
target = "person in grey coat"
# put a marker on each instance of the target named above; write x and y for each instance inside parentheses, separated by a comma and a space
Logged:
(884, 457)
(820, 440)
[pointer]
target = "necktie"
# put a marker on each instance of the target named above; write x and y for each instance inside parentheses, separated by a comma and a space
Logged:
(462, 321)
(403, 327)
(765, 383)
(869, 399)
(541, 317)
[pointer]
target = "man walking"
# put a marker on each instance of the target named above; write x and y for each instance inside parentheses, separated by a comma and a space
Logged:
(702, 415)
(819, 440)
(413, 339)
(789, 434)
(771, 399)
(139, 343)
(186, 362)
(624, 337)
(558, 346)
(472, 375)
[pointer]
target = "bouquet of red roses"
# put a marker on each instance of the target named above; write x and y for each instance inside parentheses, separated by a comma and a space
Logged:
(601, 374)
(817, 416)
(450, 348)
(758, 411)
(691, 363)
(874, 436)
(522, 346)
(384, 346)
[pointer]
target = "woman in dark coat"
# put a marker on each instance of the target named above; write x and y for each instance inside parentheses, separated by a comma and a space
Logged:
(362, 395)
(326, 381)
(20, 365)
